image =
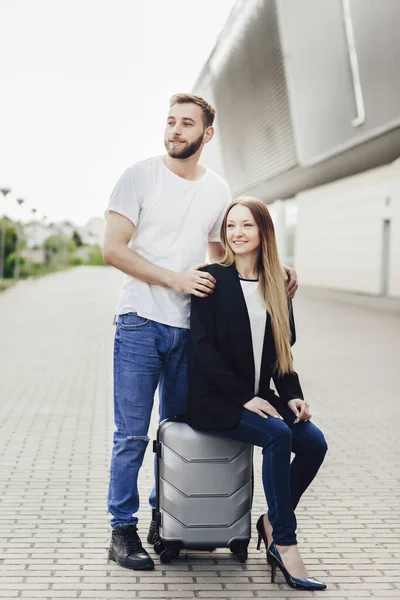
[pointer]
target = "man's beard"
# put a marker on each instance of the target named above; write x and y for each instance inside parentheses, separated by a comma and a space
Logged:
(186, 151)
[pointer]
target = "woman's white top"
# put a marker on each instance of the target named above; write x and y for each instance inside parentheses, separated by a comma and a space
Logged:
(258, 317)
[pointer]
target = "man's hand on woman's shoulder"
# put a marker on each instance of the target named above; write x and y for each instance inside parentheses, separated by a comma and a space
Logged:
(291, 281)
(196, 282)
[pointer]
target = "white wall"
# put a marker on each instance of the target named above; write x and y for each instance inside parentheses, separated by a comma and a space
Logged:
(394, 210)
(339, 238)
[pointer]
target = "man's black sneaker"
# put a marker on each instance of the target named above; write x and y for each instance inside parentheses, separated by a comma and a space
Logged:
(152, 535)
(127, 550)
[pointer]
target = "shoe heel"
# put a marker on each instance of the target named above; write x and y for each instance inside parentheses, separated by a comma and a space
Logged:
(259, 541)
(273, 571)
(309, 584)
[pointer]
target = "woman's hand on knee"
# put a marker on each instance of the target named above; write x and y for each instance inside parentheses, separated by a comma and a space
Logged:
(262, 408)
(301, 409)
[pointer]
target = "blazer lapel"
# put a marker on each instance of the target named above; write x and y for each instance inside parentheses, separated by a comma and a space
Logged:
(268, 354)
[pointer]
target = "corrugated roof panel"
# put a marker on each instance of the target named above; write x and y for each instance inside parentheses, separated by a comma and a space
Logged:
(253, 109)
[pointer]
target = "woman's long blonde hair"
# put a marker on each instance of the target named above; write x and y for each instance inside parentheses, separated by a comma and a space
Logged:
(271, 278)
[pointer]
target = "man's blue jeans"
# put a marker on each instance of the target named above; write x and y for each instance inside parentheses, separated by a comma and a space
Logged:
(283, 482)
(146, 354)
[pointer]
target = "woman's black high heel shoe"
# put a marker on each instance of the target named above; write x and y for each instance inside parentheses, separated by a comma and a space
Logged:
(262, 536)
(309, 584)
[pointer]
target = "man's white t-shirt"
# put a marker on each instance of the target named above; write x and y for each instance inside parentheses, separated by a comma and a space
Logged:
(175, 219)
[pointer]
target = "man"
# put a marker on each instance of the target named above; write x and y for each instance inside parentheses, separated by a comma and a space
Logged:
(162, 214)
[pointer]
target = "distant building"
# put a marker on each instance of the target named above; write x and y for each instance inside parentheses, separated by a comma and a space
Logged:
(34, 256)
(36, 232)
(93, 231)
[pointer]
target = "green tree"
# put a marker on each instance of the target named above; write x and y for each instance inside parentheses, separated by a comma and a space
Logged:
(77, 239)
(58, 249)
(10, 246)
(96, 256)
(24, 266)
(10, 238)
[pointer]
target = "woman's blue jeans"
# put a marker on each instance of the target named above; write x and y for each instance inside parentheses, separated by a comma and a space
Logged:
(146, 355)
(284, 482)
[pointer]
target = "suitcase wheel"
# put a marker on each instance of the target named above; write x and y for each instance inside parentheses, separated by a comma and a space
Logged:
(158, 547)
(239, 551)
(168, 553)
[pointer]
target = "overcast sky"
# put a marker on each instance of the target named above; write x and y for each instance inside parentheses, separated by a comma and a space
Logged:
(84, 93)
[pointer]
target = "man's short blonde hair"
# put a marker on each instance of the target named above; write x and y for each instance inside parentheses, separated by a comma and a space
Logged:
(208, 110)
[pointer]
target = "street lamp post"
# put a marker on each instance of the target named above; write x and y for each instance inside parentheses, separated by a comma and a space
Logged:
(34, 247)
(44, 218)
(62, 246)
(18, 249)
(4, 191)
(34, 211)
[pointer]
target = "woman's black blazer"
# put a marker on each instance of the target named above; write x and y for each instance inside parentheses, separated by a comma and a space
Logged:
(223, 374)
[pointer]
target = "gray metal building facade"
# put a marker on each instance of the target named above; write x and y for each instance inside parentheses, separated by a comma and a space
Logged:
(307, 91)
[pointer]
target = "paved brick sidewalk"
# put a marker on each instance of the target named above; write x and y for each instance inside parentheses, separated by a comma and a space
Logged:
(55, 439)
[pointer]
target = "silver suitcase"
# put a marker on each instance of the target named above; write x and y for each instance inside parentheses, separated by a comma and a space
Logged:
(204, 491)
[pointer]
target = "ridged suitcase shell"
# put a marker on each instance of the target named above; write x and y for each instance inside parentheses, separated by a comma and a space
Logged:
(204, 487)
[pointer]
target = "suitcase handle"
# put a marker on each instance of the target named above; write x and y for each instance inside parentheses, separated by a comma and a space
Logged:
(157, 448)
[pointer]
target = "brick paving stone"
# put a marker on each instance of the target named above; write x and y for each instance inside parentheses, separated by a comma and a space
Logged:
(166, 594)
(49, 594)
(55, 443)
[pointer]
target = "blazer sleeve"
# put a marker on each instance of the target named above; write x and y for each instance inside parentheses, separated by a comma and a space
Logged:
(206, 354)
(288, 385)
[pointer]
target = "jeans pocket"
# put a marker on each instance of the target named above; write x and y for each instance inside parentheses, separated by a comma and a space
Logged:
(131, 321)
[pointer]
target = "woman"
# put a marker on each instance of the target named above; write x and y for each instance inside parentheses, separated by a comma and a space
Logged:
(242, 335)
